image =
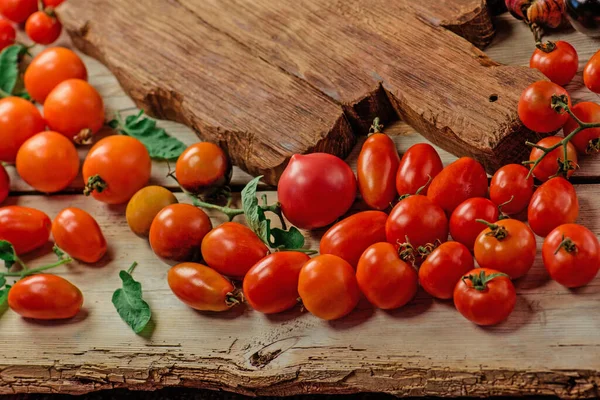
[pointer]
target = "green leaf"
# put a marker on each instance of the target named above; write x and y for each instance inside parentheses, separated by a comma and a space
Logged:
(2, 280)
(7, 253)
(4, 294)
(254, 214)
(9, 67)
(129, 303)
(287, 240)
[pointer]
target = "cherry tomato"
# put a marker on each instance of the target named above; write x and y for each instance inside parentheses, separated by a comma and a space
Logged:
(7, 34)
(51, 67)
(554, 203)
(557, 60)
(203, 168)
(385, 280)
(507, 246)
(377, 167)
(328, 288)
(45, 296)
(586, 141)
(419, 164)
(571, 255)
(463, 225)
(311, 198)
(443, 268)
(201, 287)
(77, 232)
(48, 162)
(19, 120)
(232, 249)
(271, 285)
(25, 228)
(144, 205)
(43, 28)
(511, 188)
(459, 181)
(535, 107)
(177, 232)
(485, 296)
(53, 3)
(549, 166)
(116, 168)
(350, 237)
(591, 73)
(18, 10)
(75, 109)
(4, 184)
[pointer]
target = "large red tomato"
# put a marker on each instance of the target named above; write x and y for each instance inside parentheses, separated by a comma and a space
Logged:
(25, 228)
(18, 10)
(443, 268)
(418, 166)
(377, 166)
(586, 141)
(554, 203)
(464, 227)
(512, 188)
(557, 60)
(535, 107)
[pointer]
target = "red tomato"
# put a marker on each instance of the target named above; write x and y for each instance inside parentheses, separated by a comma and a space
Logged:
(377, 166)
(4, 184)
(271, 285)
(203, 168)
(311, 198)
(51, 67)
(177, 232)
(328, 287)
(18, 10)
(19, 120)
(386, 280)
(350, 237)
(419, 164)
(463, 225)
(116, 168)
(459, 181)
(77, 232)
(550, 166)
(554, 203)
(535, 107)
(586, 141)
(557, 60)
(26, 228)
(48, 162)
(43, 28)
(507, 246)
(7, 34)
(443, 268)
(571, 255)
(485, 297)
(511, 188)
(232, 249)
(53, 3)
(591, 73)
(45, 296)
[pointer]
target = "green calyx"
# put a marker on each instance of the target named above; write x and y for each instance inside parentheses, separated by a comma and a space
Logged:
(479, 282)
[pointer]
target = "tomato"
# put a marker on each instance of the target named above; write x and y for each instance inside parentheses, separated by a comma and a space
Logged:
(311, 198)
(201, 287)
(591, 73)
(144, 205)
(4, 184)
(459, 181)
(116, 168)
(48, 162)
(485, 296)
(328, 288)
(203, 168)
(551, 164)
(419, 164)
(377, 167)
(350, 237)
(385, 280)
(463, 225)
(7, 34)
(586, 141)
(271, 285)
(75, 109)
(557, 60)
(51, 67)
(507, 246)
(19, 120)
(535, 107)
(77, 232)
(53, 3)
(26, 228)
(511, 188)
(43, 28)
(232, 249)
(177, 232)
(443, 268)
(571, 255)
(18, 10)
(45, 296)
(554, 203)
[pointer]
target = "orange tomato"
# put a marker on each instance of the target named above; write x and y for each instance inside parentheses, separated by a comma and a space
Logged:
(77, 232)
(19, 120)
(144, 205)
(25, 228)
(202, 168)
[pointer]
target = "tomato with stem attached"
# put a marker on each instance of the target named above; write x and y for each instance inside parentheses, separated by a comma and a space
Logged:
(554, 162)
(464, 227)
(144, 205)
(443, 268)
(203, 168)
(586, 141)
(76, 232)
(18, 10)
(25, 228)
(535, 107)
(553, 204)
(591, 73)
(43, 27)
(19, 120)
(557, 60)
(7, 34)
(418, 166)
(4, 184)
(511, 187)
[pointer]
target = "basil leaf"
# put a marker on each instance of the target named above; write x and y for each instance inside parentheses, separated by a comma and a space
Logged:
(9, 67)
(129, 303)
(287, 240)
(7, 253)
(4, 295)
(254, 214)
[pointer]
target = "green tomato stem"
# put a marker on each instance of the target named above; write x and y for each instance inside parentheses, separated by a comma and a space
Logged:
(27, 272)
(480, 281)
(130, 270)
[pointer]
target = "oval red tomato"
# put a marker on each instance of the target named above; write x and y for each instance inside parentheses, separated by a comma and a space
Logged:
(591, 73)
(464, 227)
(557, 60)
(203, 168)
(535, 107)
(377, 167)
(418, 166)
(443, 268)
(25, 228)
(77, 232)
(18, 10)
(586, 141)
(551, 164)
(554, 203)
(19, 120)
(512, 188)
(7, 34)
(4, 184)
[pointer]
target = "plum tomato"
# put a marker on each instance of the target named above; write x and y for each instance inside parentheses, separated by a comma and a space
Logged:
(535, 107)
(203, 168)
(25, 228)
(311, 198)
(144, 205)
(271, 285)
(4, 184)
(511, 188)
(177, 232)
(19, 120)
(553, 204)
(591, 73)
(418, 166)
(571, 255)
(350, 237)
(77, 232)
(328, 288)
(7, 34)
(463, 225)
(232, 249)
(551, 164)
(443, 268)
(586, 141)
(43, 27)
(557, 60)
(18, 10)
(385, 280)
(376, 171)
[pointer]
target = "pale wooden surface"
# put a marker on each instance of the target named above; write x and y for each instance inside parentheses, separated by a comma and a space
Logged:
(550, 345)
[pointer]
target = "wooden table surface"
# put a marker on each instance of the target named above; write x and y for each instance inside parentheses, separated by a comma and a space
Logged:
(550, 345)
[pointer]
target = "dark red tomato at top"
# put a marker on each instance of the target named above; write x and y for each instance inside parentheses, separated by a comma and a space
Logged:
(418, 166)
(535, 107)
(554, 203)
(463, 225)
(557, 60)
(377, 166)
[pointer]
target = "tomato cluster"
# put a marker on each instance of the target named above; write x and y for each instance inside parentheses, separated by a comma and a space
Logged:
(41, 25)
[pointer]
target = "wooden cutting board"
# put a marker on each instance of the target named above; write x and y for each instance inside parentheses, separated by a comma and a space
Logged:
(270, 78)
